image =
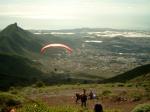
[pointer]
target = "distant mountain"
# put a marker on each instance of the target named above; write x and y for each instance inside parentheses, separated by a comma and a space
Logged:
(81, 30)
(139, 74)
(14, 39)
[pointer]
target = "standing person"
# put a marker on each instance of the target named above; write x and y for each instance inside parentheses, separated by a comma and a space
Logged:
(83, 98)
(78, 97)
(98, 108)
(91, 95)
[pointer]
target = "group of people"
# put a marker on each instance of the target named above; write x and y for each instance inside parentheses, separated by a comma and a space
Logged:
(84, 97)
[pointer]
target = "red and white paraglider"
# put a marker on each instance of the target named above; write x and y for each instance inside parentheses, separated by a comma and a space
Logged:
(57, 45)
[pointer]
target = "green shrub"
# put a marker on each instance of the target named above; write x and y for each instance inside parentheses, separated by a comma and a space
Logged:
(106, 92)
(42, 107)
(136, 97)
(122, 93)
(120, 84)
(144, 85)
(147, 95)
(9, 100)
(34, 108)
(117, 98)
(112, 85)
(147, 89)
(78, 84)
(113, 110)
(129, 85)
(142, 108)
(39, 84)
(13, 90)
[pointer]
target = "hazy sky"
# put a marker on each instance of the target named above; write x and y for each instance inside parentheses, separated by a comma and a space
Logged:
(62, 14)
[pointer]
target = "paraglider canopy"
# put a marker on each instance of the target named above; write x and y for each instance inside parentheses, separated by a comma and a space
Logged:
(57, 45)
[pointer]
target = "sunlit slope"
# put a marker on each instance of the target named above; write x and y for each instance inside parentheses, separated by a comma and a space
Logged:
(138, 74)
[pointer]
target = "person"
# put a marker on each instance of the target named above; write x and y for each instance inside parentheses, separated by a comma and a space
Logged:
(94, 96)
(98, 108)
(83, 98)
(78, 97)
(91, 95)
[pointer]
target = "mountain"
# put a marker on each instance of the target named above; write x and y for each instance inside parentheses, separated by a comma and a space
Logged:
(19, 50)
(14, 39)
(81, 30)
(139, 74)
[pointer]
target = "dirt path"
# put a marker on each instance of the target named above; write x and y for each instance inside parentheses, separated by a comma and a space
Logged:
(69, 100)
(67, 97)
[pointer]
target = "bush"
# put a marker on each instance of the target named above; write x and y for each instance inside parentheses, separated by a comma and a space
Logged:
(136, 97)
(34, 108)
(144, 85)
(142, 108)
(129, 85)
(13, 90)
(42, 107)
(120, 84)
(117, 98)
(39, 84)
(113, 110)
(78, 84)
(122, 93)
(9, 100)
(106, 92)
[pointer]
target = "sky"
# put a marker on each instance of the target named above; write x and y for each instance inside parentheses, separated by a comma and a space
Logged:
(68, 14)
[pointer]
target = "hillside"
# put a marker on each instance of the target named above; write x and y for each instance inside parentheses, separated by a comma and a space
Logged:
(141, 79)
(137, 74)
(18, 71)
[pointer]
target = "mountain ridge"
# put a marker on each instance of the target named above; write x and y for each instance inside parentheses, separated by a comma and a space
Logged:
(130, 75)
(15, 40)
